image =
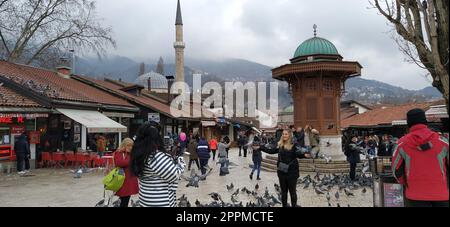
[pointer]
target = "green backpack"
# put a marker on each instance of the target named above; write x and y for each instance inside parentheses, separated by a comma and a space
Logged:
(114, 180)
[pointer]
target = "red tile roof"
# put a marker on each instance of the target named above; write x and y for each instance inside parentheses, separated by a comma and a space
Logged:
(117, 89)
(382, 115)
(54, 86)
(10, 98)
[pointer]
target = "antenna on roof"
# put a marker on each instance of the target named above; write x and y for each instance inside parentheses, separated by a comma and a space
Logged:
(315, 30)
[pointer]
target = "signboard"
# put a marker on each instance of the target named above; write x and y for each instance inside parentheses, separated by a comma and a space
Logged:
(12, 120)
(17, 130)
(35, 137)
(393, 195)
(27, 116)
(154, 117)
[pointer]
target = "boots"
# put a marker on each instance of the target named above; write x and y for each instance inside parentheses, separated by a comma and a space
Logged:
(251, 176)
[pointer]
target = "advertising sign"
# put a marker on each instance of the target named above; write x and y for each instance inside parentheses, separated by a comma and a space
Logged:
(154, 117)
(393, 195)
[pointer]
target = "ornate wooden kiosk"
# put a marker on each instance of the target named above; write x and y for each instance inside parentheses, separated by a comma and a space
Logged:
(316, 78)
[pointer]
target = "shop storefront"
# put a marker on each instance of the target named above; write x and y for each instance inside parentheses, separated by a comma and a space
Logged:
(12, 125)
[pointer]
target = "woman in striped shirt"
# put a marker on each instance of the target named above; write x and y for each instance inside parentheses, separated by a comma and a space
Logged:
(157, 170)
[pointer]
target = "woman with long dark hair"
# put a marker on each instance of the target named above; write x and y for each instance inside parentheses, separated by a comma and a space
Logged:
(288, 170)
(157, 170)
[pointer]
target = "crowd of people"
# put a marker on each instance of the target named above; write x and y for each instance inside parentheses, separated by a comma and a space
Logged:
(153, 167)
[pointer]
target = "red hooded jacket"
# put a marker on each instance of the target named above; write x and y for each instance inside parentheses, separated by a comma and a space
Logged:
(420, 162)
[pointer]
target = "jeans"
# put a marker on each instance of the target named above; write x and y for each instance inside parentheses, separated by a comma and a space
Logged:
(22, 161)
(203, 164)
(196, 162)
(240, 148)
(256, 166)
(124, 201)
(245, 152)
(288, 184)
(213, 154)
(415, 203)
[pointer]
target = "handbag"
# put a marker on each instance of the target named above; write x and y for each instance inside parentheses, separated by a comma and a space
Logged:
(283, 167)
(114, 180)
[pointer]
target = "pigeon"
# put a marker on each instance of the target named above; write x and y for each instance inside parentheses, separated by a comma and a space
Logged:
(215, 196)
(329, 204)
(266, 193)
(236, 192)
(318, 192)
(348, 193)
(256, 187)
(328, 196)
(275, 200)
(229, 188)
(336, 195)
(277, 188)
(254, 193)
(338, 205)
(101, 203)
(306, 185)
(116, 203)
(233, 199)
(364, 190)
(184, 202)
(197, 203)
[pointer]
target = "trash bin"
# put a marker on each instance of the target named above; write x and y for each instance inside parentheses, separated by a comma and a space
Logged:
(387, 192)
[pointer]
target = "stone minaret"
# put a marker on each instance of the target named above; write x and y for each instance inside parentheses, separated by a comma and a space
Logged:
(179, 46)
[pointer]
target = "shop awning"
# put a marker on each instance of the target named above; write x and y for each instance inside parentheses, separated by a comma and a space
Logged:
(94, 121)
(208, 123)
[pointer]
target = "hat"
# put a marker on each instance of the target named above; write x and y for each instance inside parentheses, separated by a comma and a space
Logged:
(416, 116)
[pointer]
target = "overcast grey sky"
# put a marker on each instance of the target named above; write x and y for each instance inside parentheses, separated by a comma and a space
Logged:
(263, 31)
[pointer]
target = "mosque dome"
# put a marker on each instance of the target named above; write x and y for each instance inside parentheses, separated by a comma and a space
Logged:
(316, 46)
(157, 80)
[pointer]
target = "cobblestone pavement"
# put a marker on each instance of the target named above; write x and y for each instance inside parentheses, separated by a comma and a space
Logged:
(58, 188)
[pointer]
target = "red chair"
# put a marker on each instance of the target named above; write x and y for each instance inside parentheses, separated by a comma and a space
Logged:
(46, 159)
(57, 158)
(70, 157)
(81, 159)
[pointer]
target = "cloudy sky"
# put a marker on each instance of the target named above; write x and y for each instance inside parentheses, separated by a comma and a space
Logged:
(263, 31)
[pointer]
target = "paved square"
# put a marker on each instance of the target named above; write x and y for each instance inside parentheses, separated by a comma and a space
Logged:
(58, 188)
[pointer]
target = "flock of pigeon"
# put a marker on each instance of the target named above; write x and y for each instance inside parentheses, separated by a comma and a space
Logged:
(261, 199)
(324, 185)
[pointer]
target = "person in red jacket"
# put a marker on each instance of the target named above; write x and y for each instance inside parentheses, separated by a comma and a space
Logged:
(420, 162)
(130, 185)
(213, 147)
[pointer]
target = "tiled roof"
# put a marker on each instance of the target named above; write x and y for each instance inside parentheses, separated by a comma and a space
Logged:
(382, 115)
(116, 89)
(52, 85)
(10, 98)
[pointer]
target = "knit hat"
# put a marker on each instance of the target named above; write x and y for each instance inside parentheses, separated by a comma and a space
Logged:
(416, 116)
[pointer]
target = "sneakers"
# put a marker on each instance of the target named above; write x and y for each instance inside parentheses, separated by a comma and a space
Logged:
(21, 172)
(26, 171)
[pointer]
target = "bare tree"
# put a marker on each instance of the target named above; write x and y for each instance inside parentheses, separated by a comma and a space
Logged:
(41, 31)
(422, 34)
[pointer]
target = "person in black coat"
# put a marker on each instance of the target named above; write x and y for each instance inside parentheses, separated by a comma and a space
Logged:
(300, 136)
(22, 149)
(288, 170)
(352, 152)
(256, 158)
(385, 148)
